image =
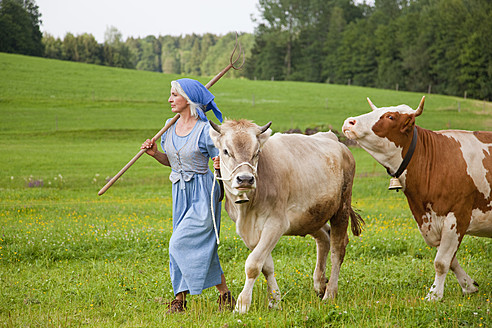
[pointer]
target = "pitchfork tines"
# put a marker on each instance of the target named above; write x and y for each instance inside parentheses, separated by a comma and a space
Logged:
(240, 54)
(232, 62)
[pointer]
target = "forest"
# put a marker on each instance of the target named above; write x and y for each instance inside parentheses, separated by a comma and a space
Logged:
(432, 46)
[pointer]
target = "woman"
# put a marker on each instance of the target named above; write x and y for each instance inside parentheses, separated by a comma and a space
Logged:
(194, 262)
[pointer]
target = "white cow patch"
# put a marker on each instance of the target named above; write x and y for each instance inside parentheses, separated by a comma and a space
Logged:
(473, 153)
(480, 224)
(446, 249)
(433, 226)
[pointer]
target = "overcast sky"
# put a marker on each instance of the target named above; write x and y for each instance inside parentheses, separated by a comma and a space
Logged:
(139, 18)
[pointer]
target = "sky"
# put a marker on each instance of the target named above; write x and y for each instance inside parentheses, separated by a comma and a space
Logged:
(139, 18)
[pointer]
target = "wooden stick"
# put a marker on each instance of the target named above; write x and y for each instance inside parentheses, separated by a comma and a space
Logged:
(175, 118)
(134, 159)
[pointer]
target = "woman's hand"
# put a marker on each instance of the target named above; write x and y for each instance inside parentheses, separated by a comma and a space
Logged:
(150, 147)
(216, 160)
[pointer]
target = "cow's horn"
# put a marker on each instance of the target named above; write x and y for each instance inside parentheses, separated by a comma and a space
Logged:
(265, 127)
(215, 126)
(371, 104)
(420, 109)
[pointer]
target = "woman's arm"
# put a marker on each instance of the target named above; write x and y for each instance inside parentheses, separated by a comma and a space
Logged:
(162, 158)
(151, 149)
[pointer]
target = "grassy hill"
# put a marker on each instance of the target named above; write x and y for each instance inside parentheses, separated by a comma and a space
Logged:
(96, 116)
(71, 258)
(45, 90)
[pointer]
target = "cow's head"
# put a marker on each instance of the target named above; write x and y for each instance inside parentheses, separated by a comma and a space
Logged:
(239, 144)
(384, 132)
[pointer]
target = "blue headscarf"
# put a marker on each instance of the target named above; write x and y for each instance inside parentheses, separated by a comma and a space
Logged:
(200, 95)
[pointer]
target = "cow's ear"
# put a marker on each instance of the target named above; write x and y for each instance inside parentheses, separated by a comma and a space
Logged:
(408, 124)
(214, 132)
(263, 137)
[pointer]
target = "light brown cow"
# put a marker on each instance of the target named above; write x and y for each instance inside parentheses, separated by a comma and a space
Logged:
(447, 181)
(287, 184)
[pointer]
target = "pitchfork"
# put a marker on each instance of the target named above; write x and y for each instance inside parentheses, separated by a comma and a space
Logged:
(232, 64)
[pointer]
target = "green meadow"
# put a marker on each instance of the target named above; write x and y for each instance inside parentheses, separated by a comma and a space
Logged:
(71, 258)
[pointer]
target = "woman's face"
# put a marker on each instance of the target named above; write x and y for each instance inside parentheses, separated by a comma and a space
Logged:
(178, 102)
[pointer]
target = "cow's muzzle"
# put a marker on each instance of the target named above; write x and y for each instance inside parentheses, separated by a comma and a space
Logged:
(245, 181)
(348, 128)
(242, 182)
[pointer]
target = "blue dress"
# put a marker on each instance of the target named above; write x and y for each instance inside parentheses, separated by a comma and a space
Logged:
(194, 263)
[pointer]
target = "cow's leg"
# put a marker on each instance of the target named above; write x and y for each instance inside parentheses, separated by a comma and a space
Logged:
(322, 238)
(255, 263)
(468, 285)
(273, 290)
(446, 251)
(338, 241)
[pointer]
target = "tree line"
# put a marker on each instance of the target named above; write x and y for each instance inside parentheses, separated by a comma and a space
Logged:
(189, 55)
(439, 46)
(19, 27)
(193, 54)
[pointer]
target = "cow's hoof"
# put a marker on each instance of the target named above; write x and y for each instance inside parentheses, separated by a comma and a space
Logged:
(320, 292)
(470, 289)
(432, 297)
(241, 308)
(320, 288)
(330, 295)
(274, 305)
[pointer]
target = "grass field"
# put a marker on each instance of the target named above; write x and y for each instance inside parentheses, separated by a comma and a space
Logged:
(69, 258)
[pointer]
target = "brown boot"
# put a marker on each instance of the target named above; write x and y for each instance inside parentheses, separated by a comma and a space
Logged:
(226, 302)
(176, 306)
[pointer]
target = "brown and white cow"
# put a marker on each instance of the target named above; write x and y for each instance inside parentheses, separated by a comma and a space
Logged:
(447, 181)
(287, 184)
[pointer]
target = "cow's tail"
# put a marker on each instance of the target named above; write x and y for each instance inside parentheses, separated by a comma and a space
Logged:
(356, 222)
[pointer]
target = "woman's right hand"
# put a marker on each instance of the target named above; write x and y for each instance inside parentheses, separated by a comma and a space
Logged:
(150, 147)
(216, 160)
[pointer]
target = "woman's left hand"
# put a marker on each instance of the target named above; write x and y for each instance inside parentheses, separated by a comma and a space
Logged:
(216, 160)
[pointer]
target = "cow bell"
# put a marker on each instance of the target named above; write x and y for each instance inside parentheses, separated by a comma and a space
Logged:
(241, 198)
(395, 184)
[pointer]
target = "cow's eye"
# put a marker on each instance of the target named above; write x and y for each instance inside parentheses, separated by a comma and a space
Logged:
(391, 117)
(226, 152)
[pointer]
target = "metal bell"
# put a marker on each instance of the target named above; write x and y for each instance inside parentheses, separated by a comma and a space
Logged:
(241, 198)
(395, 184)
